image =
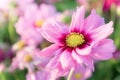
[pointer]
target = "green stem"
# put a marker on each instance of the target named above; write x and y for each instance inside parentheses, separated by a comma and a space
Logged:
(70, 74)
(11, 29)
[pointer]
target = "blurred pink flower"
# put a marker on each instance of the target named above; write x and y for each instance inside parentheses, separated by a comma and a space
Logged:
(41, 75)
(28, 58)
(108, 4)
(81, 73)
(84, 41)
(27, 24)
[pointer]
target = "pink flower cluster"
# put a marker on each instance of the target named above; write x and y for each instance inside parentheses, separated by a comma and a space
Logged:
(74, 47)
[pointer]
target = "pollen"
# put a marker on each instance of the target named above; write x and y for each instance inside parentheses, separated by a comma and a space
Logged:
(28, 58)
(78, 76)
(21, 44)
(39, 23)
(18, 46)
(74, 39)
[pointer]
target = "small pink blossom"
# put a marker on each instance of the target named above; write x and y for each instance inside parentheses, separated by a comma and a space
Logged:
(81, 73)
(82, 42)
(33, 18)
(28, 58)
(41, 75)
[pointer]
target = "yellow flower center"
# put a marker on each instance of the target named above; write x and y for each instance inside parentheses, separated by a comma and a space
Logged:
(78, 76)
(28, 58)
(39, 23)
(74, 39)
(20, 45)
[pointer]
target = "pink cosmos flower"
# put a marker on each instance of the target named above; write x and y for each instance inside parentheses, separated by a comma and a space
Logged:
(28, 58)
(41, 75)
(82, 42)
(27, 24)
(81, 73)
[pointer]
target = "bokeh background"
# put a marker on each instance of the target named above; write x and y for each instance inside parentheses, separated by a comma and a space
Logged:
(109, 9)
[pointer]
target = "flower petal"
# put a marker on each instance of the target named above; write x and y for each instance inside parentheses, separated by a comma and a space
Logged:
(84, 51)
(93, 21)
(66, 60)
(49, 51)
(53, 31)
(76, 57)
(102, 32)
(87, 60)
(78, 19)
(104, 50)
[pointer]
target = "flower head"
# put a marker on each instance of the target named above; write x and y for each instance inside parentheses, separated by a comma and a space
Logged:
(82, 42)
(27, 24)
(41, 75)
(28, 58)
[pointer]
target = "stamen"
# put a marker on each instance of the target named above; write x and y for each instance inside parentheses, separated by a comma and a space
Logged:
(78, 76)
(18, 46)
(74, 39)
(39, 23)
(28, 58)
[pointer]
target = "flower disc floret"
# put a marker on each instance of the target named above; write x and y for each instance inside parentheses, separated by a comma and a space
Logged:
(74, 39)
(78, 76)
(28, 58)
(39, 23)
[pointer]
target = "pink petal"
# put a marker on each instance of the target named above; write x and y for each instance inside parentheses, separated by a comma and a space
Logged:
(87, 73)
(53, 31)
(55, 64)
(55, 60)
(87, 60)
(93, 21)
(76, 57)
(84, 51)
(78, 19)
(104, 50)
(66, 59)
(49, 51)
(102, 31)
